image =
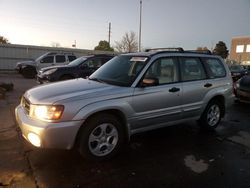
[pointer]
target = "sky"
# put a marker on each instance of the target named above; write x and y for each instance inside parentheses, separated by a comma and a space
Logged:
(165, 23)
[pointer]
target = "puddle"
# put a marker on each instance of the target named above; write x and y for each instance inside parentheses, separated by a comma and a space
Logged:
(197, 166)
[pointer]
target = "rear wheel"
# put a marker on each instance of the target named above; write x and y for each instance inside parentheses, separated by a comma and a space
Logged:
(211, 117)
(101, 138)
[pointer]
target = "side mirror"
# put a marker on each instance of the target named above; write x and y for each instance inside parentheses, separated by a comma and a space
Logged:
(147, 82)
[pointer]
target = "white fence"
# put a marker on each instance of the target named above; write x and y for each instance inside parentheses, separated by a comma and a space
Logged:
(10, 54)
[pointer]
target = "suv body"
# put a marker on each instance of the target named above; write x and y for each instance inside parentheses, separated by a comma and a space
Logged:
(29, 68)
(131, 93)
(80, 67)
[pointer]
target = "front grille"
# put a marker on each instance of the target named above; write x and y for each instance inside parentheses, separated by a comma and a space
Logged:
(26, 104)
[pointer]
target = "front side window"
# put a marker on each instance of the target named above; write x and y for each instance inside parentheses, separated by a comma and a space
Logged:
(191, 69)
(48, 59)
(215, 68)
(165, 70)
(94, 63)
(60, 59)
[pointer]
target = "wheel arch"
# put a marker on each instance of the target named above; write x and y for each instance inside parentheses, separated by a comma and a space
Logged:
(221, 100)
(117, 113)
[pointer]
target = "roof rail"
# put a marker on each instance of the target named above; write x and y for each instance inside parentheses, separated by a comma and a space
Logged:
(60, 52)
(165, 49)
(199, 51)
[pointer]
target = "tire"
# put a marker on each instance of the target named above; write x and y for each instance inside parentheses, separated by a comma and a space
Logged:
(66, 77)
(29, 72)
(101, 138)
(212, 115)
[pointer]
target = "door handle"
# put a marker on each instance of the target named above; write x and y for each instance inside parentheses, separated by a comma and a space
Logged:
(174, 89)
(208, 85)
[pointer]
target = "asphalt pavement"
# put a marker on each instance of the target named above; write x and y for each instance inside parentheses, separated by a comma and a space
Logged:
(177, 156)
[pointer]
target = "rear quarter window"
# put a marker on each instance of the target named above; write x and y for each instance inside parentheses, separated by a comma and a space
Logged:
(215, 68)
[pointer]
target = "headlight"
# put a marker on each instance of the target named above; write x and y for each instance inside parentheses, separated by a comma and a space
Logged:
(44, 112)
(50, 71)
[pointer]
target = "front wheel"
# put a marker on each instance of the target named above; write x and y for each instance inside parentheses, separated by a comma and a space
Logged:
(101, 138)
(29, 72)
(211, 117)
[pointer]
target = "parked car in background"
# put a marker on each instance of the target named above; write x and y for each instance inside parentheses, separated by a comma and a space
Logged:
(247, 67)
(129, 94)
(30, 68)
(79, 68)
(242, 89)
(237, 71)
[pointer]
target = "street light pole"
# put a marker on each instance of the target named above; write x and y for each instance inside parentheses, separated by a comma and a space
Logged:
(140, 26)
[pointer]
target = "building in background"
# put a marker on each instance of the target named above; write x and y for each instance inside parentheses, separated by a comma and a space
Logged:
(240, 50)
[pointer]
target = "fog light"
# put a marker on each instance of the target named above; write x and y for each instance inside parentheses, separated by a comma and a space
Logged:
(34, 139)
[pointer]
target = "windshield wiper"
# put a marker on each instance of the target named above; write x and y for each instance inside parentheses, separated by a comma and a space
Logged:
(97, 80)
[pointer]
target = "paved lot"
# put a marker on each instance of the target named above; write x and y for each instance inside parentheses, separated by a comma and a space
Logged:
(179, 156)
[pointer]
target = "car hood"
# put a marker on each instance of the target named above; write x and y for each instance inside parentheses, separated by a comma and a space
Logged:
(76, 89)
(30, 62)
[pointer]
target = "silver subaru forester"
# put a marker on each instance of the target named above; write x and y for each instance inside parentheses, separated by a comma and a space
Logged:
(131, 93)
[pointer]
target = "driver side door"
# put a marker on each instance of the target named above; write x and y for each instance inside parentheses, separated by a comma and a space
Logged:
(160, 103)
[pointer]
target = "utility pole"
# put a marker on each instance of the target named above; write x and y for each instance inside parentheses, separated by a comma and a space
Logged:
(109, 32)
(74, 45)
(140, 26)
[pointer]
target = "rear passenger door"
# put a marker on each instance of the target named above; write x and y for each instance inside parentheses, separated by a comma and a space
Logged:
(60, 60)
(195, 86)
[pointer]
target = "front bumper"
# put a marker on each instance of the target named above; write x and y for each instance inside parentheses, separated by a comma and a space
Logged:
(60, 135)
(41, 79)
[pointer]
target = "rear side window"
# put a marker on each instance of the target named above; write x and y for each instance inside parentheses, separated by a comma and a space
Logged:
(60, 59)
(214, 67)
(192, 69)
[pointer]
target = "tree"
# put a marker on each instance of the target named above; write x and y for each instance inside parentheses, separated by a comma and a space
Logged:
(3, 40)
(221, 50)
(128, 43)
(202, 48)
(104, 46)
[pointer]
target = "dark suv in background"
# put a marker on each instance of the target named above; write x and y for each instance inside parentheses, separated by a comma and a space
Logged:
(237, 71)
(79, 68)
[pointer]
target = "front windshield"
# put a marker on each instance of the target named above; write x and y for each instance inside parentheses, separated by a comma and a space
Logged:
(41, 57)
(121, 70)
(77, 61)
